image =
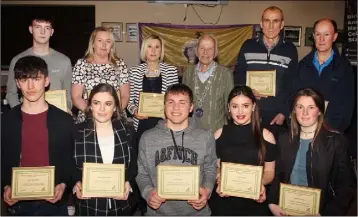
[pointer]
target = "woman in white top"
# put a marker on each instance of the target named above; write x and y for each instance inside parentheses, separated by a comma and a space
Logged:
(99, 65)
(104, 138)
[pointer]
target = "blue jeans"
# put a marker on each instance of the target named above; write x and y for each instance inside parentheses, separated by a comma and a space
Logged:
(38, 208)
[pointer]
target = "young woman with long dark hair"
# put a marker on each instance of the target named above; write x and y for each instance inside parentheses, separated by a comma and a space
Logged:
(243, 141)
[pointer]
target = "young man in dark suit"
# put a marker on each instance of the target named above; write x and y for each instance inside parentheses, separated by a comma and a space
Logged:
(35, 134)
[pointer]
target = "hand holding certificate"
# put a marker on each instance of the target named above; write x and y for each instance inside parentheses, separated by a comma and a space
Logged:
(57, 98)
(178, 182)
(264, 82)
(298, 200)
(241, 180)
(33, 183)
(151, 105)
(103, 180)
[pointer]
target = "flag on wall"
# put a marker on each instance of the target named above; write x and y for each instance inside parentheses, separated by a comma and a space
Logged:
(180, 40)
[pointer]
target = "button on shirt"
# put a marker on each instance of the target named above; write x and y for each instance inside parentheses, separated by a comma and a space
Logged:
(320, 67)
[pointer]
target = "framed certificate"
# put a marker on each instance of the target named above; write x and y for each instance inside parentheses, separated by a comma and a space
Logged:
(151, 105)
(103, 180)
(240, 180)
(299, 200)
(57, 98)
(33, 183)
(178, 182)
(263, 82)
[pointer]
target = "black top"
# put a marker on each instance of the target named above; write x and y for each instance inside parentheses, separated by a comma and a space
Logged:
(237, 145)
(328, 168)
(150, 85)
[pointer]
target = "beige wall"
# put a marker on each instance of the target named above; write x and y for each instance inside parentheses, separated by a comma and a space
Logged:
(297, 13)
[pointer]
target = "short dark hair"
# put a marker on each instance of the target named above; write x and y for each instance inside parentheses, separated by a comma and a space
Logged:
(46, 18)
(333, 22)
(30, 67)
(179, 89)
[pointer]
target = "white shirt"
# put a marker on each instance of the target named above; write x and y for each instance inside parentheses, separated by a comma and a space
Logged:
(106, 144)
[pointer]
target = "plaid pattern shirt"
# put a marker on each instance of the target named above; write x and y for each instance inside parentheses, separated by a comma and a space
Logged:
(86, 149)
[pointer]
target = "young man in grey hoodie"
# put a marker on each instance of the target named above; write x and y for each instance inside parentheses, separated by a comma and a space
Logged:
(176, 141)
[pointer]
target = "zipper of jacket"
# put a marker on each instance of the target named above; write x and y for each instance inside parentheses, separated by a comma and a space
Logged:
(311, 164)
(334, 193)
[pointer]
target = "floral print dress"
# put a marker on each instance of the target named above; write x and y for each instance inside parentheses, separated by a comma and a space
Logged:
(89, 75)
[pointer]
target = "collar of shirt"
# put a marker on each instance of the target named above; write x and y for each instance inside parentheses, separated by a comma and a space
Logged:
(320, 67)
(272, 45)
(203, 76)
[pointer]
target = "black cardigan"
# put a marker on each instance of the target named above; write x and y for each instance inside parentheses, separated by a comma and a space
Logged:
(59, 125)
(330, 171)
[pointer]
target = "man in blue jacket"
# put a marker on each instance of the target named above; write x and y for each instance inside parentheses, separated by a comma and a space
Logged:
(270, 52)
(325, 70)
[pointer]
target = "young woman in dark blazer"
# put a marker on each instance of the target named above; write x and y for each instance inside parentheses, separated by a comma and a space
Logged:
(104, 138)
(311, 155)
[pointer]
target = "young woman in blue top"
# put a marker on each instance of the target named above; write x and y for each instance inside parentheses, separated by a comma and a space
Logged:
(314, 156)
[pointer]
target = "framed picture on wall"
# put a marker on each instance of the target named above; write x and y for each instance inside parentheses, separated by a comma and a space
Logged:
(131, 32)
(116, 28)
(340, 38)
(293, 34)
(309, 37)
(257, 31)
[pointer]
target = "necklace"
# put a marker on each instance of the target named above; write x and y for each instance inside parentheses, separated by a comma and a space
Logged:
(199, 111)
(152, 72)
(307, 132)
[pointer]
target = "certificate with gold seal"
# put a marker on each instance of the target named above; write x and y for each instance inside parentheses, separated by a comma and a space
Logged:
(298, 200)
(178, 182)
(151, 104)
(263, 82)
(103, 180)
(57, 98)
(33, 183)
(241, 180)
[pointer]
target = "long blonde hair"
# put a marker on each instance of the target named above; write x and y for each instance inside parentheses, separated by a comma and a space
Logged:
(90, 52)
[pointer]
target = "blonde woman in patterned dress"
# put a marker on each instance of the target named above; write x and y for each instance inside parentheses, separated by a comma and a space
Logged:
(99, 65)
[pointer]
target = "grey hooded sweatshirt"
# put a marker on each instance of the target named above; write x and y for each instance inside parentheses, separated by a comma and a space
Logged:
(156, 146)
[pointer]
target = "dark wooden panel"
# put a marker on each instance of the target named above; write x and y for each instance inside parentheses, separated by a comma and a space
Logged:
(73, 25)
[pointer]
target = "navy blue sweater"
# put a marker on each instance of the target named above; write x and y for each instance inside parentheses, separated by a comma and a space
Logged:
(335, 83)
(283, 58)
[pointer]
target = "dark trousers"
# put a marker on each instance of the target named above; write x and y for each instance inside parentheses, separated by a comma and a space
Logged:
(38, 208)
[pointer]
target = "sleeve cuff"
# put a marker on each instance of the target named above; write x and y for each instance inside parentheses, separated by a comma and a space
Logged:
(146, 192)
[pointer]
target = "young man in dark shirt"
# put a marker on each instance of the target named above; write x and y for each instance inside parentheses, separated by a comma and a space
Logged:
(35, 134)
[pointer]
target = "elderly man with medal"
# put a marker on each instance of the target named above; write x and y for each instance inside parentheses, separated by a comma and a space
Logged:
(211, 84)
